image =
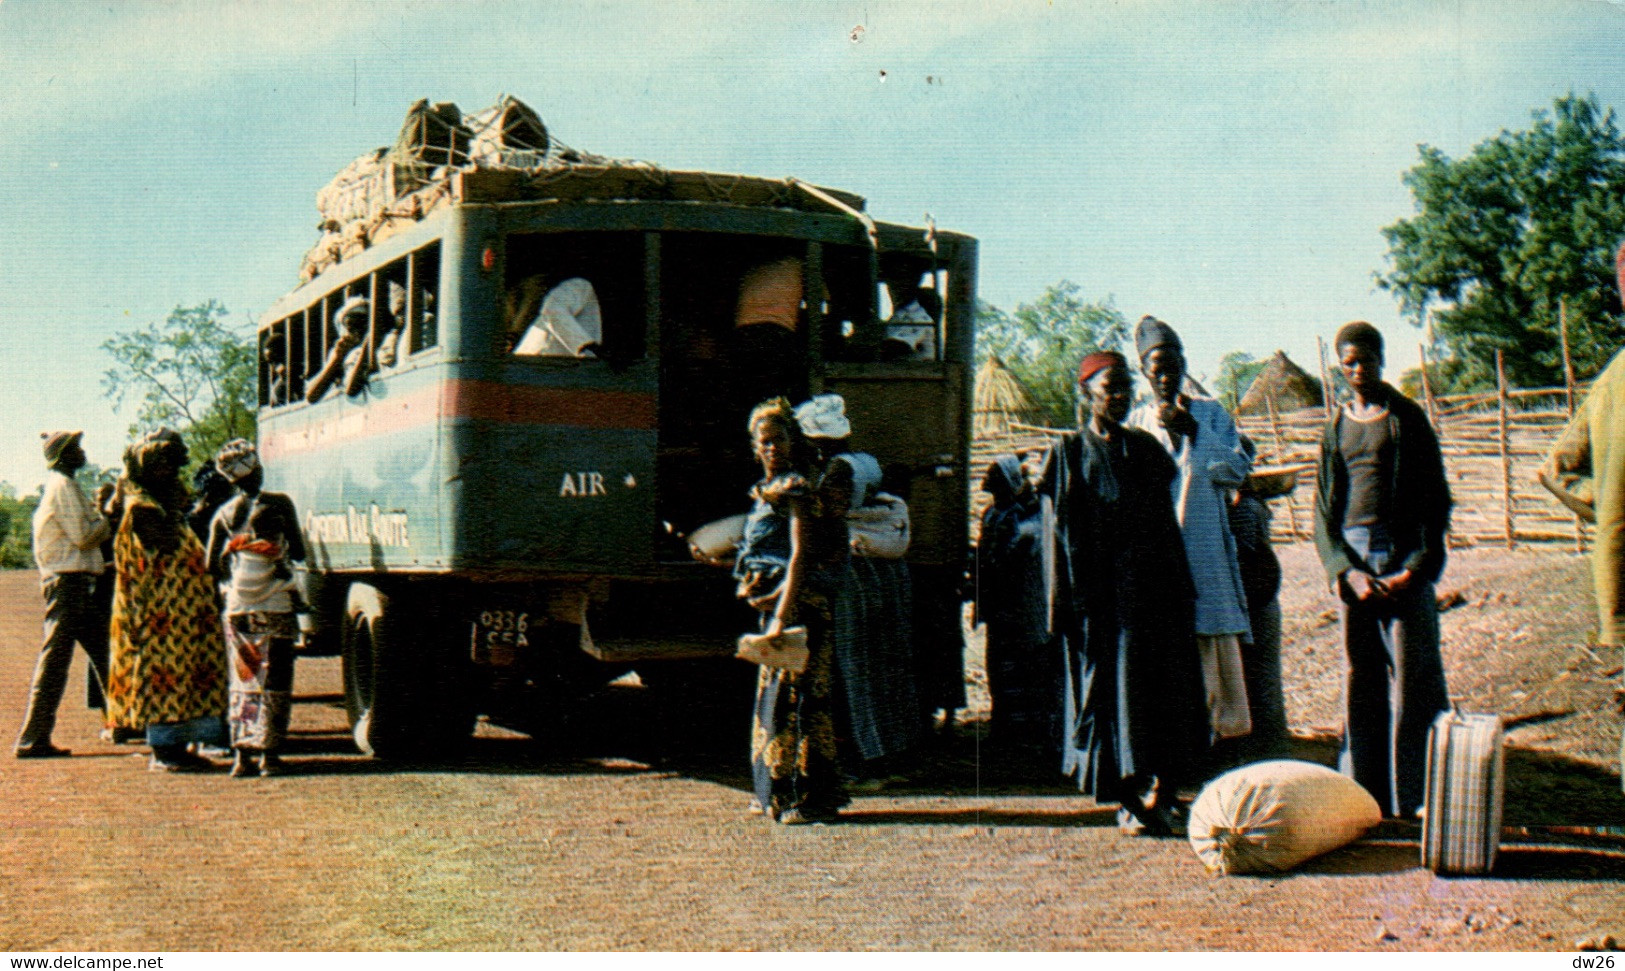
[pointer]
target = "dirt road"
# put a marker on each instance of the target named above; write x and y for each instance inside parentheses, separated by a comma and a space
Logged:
(633, 836)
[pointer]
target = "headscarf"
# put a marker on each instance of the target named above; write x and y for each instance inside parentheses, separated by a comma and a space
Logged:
(1004, 479)
(237, 459)
(169, 492)
(356, 308)
(1098, 362)
(1151, 333)
(824, 417)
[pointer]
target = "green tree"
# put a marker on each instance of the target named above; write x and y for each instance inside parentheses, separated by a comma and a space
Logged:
(195, 373)
(1501, 235)
(16, 528)
(1043, 341)
(1236, 373)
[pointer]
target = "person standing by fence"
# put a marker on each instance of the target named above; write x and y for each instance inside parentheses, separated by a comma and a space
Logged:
(1381, 513)
(1202, 439)
(68, 534)
(1134, 725)
(1585, 470)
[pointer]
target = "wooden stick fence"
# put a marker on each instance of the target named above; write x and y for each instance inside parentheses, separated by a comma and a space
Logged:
(1491, 461)
(1493, 444)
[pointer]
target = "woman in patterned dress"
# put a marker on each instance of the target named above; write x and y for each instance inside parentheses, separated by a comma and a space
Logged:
(253, 541)
(788, 570)
(168, 674)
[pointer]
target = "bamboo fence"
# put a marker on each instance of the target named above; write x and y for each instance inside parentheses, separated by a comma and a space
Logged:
(1493, 444)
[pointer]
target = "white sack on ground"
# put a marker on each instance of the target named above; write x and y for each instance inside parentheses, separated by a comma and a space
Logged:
(1272, 816)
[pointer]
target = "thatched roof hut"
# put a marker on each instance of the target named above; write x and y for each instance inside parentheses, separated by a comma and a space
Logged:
(1291, 386)
(1000, 400)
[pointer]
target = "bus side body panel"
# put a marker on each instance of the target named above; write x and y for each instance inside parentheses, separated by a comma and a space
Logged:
(364, 474)
(554, 470)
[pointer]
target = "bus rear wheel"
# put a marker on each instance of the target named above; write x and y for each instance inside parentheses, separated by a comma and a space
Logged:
(402, 692)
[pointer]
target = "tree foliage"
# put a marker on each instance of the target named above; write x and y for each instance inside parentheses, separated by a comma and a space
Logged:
(1502, 234)
(16, 528)
(1043, 341)
(1236, 373)
(193, 373)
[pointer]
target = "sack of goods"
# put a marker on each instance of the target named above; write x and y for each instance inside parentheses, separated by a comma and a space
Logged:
(1466, 787)
(1271, 816)
(718, 541)
(787, 651)
(880, 529)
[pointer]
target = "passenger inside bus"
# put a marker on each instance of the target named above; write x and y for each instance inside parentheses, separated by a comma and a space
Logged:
(351, 320)
(911, 330)
(565, 322)
(275, 355)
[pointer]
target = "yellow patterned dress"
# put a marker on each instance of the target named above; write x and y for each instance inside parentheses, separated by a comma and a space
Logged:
(167, 666)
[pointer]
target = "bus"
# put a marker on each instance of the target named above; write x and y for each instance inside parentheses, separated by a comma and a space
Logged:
(494, 532)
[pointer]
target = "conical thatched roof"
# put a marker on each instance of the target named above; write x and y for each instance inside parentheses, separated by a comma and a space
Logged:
(1291, 386)
(1000, 400)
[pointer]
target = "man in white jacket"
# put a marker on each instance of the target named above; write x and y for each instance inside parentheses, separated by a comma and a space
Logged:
(68, 533)
(1206, 447)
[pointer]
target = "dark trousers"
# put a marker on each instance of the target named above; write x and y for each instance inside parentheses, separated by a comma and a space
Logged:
(72, 615)
(1395, 684)
(1395, 690)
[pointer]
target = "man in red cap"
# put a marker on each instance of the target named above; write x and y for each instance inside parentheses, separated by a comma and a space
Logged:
(68, 533)
(1586, 471)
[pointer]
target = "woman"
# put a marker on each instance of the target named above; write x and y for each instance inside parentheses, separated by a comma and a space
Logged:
(790, 569)
(252, 542)
(1381, 513)
(879, 714)
(1136, 718)
(1023, 677)
(168, 674)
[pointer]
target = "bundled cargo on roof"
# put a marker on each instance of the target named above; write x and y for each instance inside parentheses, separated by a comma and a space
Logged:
(508, 135)
(505, 153)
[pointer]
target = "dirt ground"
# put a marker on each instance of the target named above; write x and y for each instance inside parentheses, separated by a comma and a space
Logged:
(628, 832)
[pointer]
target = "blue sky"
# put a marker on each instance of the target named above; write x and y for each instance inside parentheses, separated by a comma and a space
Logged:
(1226, 166)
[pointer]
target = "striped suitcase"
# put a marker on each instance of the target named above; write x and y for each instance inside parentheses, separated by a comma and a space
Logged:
(1466, 784)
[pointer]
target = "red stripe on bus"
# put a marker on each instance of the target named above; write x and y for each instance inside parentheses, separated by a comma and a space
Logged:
(522, 404)
(479, 400)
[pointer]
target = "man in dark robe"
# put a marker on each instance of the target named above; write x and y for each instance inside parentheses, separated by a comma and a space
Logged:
(1123, 604)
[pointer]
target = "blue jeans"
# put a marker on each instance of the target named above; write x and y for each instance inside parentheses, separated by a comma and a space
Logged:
(1395, 683)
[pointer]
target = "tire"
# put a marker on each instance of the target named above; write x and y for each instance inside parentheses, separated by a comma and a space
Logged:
(405, 692)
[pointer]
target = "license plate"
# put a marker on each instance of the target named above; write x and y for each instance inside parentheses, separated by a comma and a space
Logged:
(499, 636)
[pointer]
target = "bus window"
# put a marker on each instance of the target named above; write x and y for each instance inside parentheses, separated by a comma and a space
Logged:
(423, 282)
(389, 315)
(850, 332)
(295, 332)
(574, 295)
(273, 365)
(914, 322)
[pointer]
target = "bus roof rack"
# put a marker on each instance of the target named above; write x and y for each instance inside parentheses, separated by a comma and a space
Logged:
(505, 154)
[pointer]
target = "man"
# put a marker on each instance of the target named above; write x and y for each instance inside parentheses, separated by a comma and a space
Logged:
(1586, 471)
(1200, 436)
(68, 533)
(1382, 508)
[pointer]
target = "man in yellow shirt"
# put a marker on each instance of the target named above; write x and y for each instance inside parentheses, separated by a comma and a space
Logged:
(1586, 471)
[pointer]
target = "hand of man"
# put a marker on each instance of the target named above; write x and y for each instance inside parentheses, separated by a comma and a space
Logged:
(1364, 586)
(1177, 419)
(1397, 583)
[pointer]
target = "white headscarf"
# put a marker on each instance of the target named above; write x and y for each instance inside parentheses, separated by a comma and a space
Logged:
(824, 417)
(237, 459)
